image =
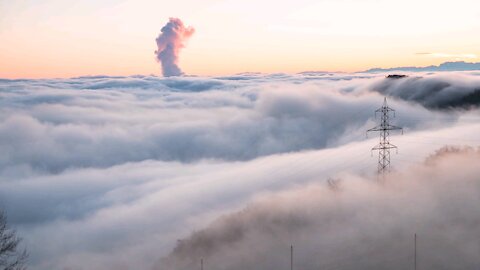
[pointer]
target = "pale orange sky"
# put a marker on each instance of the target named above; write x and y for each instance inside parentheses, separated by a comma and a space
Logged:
(62, 38)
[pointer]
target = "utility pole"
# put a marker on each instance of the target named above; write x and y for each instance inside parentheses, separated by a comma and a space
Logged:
(384, 146)
(415, 257)
(201, 264)
(291, 257)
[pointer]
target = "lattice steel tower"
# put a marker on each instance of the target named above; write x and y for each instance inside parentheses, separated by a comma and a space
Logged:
(384, 146)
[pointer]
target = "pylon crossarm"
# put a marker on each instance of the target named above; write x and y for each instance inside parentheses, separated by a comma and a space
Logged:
(384, 109)
(390, 127)
(380, 128)
(377, 128)
(382, 147)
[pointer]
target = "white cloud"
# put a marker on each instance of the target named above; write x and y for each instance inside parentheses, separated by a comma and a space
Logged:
(111, 171)
(359, 225)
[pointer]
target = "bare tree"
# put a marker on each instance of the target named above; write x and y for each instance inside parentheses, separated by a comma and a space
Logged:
(10, 257)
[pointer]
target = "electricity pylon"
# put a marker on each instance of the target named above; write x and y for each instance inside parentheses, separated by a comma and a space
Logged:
(384, 146)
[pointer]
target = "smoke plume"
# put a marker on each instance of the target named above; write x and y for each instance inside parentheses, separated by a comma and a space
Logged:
(171, 39)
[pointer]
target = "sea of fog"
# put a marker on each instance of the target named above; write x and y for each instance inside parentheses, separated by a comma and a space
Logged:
(146, 172)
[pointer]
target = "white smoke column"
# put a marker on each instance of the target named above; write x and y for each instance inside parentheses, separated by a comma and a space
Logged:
(169, 42)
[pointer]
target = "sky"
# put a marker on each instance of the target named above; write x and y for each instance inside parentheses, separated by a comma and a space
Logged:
(63, 38)
(107, 164)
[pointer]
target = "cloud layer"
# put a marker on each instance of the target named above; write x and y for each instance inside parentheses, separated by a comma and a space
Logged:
(435, 91)
(112, 171)
(53, 125)
(358, 225)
